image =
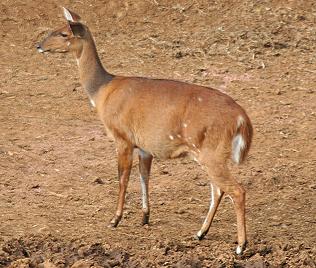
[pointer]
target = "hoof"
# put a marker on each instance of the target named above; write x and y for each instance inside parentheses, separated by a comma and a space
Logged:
(199, 235)
(115, 221)
(145, 219)
(240, 249)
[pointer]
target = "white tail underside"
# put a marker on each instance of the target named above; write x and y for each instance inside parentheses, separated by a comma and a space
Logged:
(238, 145)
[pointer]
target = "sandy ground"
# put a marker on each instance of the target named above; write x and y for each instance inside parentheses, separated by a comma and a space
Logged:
(58, 169)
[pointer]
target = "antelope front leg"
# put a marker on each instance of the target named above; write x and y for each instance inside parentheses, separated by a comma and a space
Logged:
(145, 160)
(125, 159)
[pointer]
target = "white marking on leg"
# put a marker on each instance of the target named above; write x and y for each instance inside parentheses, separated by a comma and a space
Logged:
(212, 197)
(219, 191)
(211, 204)
(171, 137)
(92, 102)
(200, 99)
(142, 153)
(185, 124)
(199, 233)
(144, 192)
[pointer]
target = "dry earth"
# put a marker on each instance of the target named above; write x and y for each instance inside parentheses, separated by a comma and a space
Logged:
(58, 184)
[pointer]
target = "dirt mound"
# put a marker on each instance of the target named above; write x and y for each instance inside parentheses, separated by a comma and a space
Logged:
(46, 251)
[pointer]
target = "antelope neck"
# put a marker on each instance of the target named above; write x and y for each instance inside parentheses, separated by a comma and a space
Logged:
(92, 74)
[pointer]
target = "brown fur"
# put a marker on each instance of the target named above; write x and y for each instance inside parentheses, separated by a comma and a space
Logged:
(138, 108)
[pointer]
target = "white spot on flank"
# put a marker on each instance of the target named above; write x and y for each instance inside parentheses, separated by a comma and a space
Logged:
(200, 99)
(193, 145)
(171, 137)
(179, 136)
(185, 125)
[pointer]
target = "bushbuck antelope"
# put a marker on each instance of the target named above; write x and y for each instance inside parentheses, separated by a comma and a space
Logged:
(161, 118)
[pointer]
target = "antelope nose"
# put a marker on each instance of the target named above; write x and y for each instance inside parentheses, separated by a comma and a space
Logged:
(39, 48)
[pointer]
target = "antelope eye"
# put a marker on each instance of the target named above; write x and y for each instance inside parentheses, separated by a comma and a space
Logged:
(63, 34)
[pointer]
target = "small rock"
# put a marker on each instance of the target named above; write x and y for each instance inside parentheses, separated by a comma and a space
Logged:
(265, 250)
(201, 183)
(98, 181)
(286, 247)
(21, 263)
(181, 211)
(82, 264)
(48, 264)
(83, 251)
(164, 172)
(312, 186)
(179, 55)
(194, 200)
(256, 264)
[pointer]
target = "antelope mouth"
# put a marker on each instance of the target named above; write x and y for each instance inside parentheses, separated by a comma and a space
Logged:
(41, 50)
(59, 50)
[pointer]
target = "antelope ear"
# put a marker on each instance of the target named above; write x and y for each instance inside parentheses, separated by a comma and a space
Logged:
(71, 16)
(77, 29)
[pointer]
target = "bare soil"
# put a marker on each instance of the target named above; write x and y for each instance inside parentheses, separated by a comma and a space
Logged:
(58, 186)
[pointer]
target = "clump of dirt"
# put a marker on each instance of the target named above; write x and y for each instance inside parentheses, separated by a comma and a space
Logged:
(48, 251)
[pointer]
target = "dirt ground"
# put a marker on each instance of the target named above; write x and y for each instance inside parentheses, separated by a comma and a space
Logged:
(58, 186)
